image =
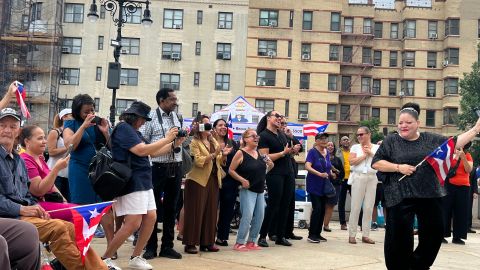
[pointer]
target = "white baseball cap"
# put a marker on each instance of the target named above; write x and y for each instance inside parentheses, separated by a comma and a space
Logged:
(64, 112)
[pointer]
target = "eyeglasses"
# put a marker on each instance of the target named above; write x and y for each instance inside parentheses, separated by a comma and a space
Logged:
(253, 136)
(283, 124)
(277, 115)
(361, 134)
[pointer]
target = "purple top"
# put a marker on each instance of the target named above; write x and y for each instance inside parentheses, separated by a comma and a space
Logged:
(34, 169)
(316, 184)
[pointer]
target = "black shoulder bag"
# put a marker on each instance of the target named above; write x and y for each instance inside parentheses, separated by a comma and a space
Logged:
(452, 172)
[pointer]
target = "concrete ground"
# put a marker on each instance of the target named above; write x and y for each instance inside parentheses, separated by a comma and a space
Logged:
(336, 253)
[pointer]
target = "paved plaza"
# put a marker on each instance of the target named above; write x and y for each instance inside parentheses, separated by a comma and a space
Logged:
(336, 253)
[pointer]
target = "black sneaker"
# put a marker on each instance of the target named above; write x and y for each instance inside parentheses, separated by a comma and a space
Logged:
(149, 254)
(322, 239)
(262, 242)
(169, 253)
(283, 242)
(313, 239)
(294, 237)
(471, 231)
(458, 241)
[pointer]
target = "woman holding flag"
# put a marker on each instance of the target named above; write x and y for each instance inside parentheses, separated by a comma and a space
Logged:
(413, 187)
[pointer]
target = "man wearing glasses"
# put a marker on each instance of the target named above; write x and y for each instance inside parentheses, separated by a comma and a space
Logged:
(343, 153)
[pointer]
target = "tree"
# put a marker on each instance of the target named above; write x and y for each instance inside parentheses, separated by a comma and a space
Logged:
(373, 124)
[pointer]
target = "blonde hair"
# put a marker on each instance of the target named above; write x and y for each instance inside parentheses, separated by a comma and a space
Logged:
(245, 135)
(57, 122)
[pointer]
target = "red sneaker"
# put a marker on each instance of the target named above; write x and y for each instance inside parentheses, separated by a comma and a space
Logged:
(252, 246)
(240, 247)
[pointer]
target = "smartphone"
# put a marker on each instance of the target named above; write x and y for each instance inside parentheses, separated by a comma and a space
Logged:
(96, 120)
(69, 149)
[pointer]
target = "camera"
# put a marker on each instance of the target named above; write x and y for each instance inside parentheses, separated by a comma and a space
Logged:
(204, 127)
(97, 120)
(182, 133)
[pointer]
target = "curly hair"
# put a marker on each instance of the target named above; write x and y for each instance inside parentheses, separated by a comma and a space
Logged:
(77, 104)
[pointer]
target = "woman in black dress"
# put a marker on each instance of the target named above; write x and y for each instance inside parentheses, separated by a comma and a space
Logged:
(338, 173)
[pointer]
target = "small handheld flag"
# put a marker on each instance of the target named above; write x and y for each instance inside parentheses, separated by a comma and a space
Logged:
(441, 159)
(21, 95)
(311, 129)
(230, 127)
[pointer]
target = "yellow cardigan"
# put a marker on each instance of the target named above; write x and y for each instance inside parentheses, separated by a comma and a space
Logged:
(200, 172)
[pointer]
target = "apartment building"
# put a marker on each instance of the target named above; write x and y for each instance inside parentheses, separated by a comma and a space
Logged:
(194, 47)
(351, 60)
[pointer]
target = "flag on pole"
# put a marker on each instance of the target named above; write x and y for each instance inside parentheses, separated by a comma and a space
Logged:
(21, 95)
(311, 129)
(230, 126)
(85, 220)
(441, 159)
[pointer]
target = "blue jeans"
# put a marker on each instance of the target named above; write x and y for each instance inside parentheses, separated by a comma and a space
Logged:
(252, 206)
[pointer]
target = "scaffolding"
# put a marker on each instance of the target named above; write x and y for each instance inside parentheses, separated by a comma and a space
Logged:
(30, 52)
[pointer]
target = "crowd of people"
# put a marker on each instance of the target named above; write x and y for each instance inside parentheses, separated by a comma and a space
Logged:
(259, 169)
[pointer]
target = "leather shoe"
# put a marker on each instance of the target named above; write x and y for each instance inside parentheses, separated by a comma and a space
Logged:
(294, 237)
(262, 242)
(343, 227)
(283, 242)
(367, 240)
(222, 243)
(471, 231)
(191, 249)
(149, 254)
(210, 248)
(458, 241)
(170, 253)
(327, 229)
(352, 240)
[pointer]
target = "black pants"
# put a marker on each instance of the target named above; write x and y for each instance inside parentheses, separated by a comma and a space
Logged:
(280, 193)
(290, 219)
(170, 188)
(456, 206)
(318, 214)
(62, 184)
(470, 209)
(398, 248)
(227, 198)
(341, 201)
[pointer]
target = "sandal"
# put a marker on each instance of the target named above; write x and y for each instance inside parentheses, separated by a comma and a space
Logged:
(352, 240)
(115, 256)
(367, 240)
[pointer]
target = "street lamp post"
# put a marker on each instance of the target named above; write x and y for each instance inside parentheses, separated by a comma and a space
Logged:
(123, 9)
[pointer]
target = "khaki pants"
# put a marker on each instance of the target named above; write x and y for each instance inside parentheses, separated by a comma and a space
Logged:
(364, 187)
(61, 236)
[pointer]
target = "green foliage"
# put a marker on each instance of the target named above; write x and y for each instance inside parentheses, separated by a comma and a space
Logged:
(373, 124)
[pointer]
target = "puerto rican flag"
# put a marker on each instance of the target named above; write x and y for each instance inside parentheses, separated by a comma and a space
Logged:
(230, 127)
(21, 95)
(311, 129)
(85, 220)
(441, 159)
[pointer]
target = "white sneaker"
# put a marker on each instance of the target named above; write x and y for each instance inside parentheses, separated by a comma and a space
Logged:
(111, 265)
(139, 263)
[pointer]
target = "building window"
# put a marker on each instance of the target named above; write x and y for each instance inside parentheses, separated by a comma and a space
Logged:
(393, 58)
(196, 78)
(266, 77)
(452, 27)
(289, 74)
(450, 86)
(408, 88)
(335, 21)
(451, 56)
(377, 87)
(70, 76)
(267, 48)
(367, 26)
(366, 84)
(348, 25)
(409, 29)
(102, 12)
(222, 82)
(430, 118)
(73, 13)
(304, 80)
(346, 83)
(72, 45)
(122, 104)
(194, 109)
(224, 51)
(307, 20)
(287, 107)
(408, 58)
(171, 50)
(366, 55)
(198, 48)
(364, 113)
(392, 116)
(306, 51)
(432, 29)
(333, 52)
(377, 58)
(36, 11)
(129, 76)
(289, 49)
(225, 20)
(378, 29)
(264, 105)
(431, 59)
(332, 82)
(302, 110)
(100, 43)
(135, 17)
(290, 21)
(332, 112)
(218, 107)
(173, 18)
(376, 113)
(98, 74)
(168, 80)
(97, 104)
(394, 30)
(347, 54)
(268, 18)
(450, 116)
(431, 88)
(130, 46)
(344, 112)
(392, 87)
(199, 16)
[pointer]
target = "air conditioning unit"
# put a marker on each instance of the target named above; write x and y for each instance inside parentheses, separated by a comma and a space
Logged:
(226, 56)
(221, 25)
(123, 81)
(306, 56)
(272, 24)
(271, 53)
(303, 116)
(409, 63)
(401, 94)
(176, 56)
(445, 63)
(64, 82)
(433, 36)
(66, 50)
(177, 26)
(124, 51)
(262, 83)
